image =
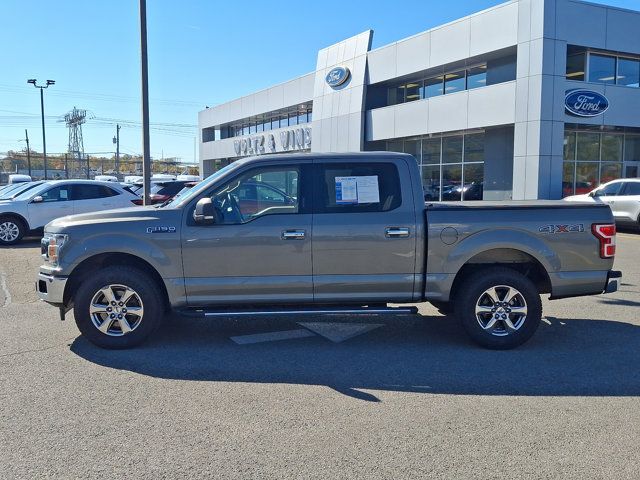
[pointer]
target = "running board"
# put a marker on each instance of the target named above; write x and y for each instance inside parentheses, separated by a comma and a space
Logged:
(201, 312)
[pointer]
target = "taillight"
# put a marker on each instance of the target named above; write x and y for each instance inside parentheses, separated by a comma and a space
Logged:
(606, 234)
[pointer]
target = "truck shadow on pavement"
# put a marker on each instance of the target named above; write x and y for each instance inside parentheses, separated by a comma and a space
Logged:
(425, 354)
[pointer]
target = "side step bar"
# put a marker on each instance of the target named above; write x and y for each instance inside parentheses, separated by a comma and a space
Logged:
(206, 313)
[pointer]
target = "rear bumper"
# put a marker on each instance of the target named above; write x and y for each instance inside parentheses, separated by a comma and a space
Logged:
(614, 277)
(51, 289)
(577, 284)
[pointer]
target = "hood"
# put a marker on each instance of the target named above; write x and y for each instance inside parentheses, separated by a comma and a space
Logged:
(147, 215)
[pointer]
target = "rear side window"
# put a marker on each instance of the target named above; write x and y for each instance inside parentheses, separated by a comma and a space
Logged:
(356, 187)
(89, 192)
(632, 188)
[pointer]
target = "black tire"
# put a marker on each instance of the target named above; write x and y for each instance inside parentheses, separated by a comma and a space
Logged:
(13, 223)
(445, 308)
(148, 297)
(501, 336)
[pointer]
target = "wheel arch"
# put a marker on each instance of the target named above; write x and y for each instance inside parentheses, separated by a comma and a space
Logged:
(91, 264)
(512, 258)
(17, 216)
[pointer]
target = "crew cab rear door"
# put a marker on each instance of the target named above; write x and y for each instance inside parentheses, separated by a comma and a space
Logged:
(259, 248)
(364, 231)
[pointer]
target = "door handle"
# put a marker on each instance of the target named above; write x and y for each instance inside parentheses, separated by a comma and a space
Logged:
(293, 235)
(396, 232)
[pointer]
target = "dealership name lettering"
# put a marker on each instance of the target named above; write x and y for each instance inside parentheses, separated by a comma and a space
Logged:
(293, 139)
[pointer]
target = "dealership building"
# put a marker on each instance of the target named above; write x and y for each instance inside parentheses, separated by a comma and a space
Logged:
(529, 99)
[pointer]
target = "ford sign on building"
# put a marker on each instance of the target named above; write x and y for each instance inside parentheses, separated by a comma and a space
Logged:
(585, 103)
(337, 76)
(530, 99)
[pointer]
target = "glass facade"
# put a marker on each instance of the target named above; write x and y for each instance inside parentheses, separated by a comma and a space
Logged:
(289, 117)
(592, 158)
(602, 67)
(452, 166)
(450, 82)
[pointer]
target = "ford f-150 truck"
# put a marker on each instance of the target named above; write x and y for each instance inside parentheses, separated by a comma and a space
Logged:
(324, 233)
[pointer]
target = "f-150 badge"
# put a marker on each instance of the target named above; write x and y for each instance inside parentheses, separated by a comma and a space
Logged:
(161, 229)
(576, 227)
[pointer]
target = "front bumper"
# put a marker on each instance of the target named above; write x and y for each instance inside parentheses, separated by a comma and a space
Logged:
(614, 277)
(50, 288)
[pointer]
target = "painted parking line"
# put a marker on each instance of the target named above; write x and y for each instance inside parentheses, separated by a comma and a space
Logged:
(339, 332)
(272, 336)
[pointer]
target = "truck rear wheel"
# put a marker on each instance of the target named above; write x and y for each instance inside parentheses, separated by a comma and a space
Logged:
(118, 307)
(499, 308)
(11, 230)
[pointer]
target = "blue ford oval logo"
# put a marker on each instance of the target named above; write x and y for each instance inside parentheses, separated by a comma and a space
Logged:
(585, 103)
(337, 76)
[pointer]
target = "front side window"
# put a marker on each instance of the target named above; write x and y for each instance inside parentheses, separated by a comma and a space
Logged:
(57, 194)
(610, 190)
(357, 187)
(260, 192)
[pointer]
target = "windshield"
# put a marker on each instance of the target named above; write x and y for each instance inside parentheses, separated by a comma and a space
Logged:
(201, 187)
(32, 192)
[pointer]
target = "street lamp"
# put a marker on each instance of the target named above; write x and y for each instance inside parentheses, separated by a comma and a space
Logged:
(32, 81)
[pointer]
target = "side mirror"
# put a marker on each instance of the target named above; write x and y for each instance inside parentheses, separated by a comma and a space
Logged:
(37, 199)
(205, 212)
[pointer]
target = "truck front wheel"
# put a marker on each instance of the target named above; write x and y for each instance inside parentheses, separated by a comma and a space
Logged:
(118, 307)
(499, 308)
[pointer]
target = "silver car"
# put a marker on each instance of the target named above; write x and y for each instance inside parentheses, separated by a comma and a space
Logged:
(623, 196)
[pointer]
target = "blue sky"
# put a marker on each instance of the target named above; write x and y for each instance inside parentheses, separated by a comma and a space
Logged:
(200, 53)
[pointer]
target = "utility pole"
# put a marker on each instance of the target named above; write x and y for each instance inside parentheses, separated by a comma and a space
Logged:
(26, 138)
(146, 157)
(32, 81)
(116, 140)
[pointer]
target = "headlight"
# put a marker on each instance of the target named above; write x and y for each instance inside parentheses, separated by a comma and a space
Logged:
(52, 243)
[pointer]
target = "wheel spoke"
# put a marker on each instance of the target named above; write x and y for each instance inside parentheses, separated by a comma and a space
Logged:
(97, 308)
(126, 296)
(493, 295)
(519, 310)
(483, 309)
(490, 325)
(124, 325)
(108, 294)
(137, 311)
(511, 293)
(106, 325)
(508, 324)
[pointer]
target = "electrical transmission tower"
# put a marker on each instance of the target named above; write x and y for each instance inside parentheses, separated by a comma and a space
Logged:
(74, 120)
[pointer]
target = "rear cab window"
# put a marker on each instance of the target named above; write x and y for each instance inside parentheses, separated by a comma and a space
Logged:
(356, 187)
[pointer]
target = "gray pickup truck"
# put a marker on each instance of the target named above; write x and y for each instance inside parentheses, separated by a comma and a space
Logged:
(324, 233)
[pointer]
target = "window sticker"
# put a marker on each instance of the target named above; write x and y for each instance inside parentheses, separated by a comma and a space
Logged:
(355, 190)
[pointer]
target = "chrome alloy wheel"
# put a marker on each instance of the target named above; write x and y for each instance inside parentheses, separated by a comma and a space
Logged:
(9, 231)
(116, 310)
(501, 310)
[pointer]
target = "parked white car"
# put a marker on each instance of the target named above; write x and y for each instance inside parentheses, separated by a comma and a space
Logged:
(623, 196)
(33, 209)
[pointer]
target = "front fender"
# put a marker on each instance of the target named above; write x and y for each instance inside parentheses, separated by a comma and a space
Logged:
(162, 251)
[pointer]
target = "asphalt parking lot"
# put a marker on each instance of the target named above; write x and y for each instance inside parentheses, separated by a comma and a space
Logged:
(401, 397)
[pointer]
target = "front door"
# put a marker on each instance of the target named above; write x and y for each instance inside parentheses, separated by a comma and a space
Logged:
(56, 202)
(259, 248)
(364, 232)
(90, 197)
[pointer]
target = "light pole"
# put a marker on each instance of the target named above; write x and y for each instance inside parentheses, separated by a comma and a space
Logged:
(32, 81)
(146, 156)
(116, 140)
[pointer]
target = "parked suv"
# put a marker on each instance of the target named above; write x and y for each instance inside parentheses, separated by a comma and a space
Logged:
(36, 207)
(623, 196)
